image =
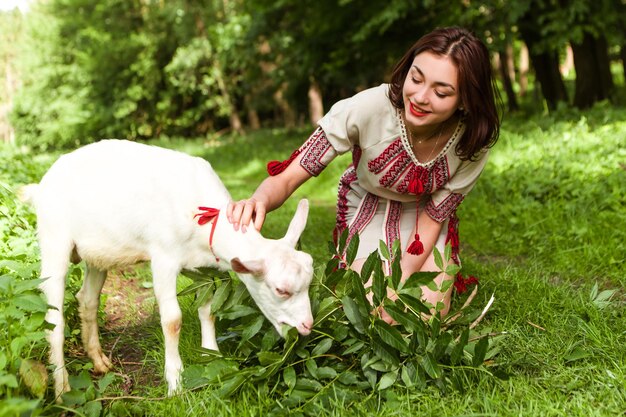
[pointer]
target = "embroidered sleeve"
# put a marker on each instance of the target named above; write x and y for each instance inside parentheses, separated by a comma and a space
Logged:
(317, 153)
(444, 201)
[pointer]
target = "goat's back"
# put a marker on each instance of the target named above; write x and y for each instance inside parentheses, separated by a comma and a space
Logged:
(120, 200)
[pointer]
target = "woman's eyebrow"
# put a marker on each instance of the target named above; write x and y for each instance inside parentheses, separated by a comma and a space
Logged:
(441, 83)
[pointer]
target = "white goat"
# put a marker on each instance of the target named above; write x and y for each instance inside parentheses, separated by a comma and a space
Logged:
(114, 203)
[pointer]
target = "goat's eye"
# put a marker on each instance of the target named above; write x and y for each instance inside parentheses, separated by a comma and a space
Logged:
(283, 293)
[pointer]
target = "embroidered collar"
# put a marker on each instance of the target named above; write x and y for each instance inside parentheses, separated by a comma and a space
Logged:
(458, 132)
(209, 214)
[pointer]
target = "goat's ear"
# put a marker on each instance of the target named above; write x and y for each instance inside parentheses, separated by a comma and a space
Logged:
(297, 223)
(255, 268)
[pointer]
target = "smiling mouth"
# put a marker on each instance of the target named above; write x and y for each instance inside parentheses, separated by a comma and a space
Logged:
(416, 111)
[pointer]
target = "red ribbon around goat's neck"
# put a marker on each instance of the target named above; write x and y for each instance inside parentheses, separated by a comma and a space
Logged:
(209, 214)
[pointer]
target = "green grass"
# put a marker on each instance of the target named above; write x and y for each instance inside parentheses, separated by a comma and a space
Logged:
(544, 229)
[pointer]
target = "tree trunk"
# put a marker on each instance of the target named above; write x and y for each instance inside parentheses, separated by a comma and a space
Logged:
(505, 72)
(523, 70)
(546, 65)
(253, 116)
(545, 62)
(622, 53)
(593, 77)
(289, 116)
(316, 106)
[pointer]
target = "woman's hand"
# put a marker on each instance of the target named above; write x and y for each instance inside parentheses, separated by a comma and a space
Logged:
(241, 213)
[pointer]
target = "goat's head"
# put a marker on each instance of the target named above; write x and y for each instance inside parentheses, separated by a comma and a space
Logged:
(279, 279)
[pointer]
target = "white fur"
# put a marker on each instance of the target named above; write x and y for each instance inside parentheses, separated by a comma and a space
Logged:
(115, 203)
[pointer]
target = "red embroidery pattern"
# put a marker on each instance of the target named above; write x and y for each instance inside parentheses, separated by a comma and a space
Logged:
(392, 226)
(314, 149)
(356, 155)
(446, 208)
(348, 177)
(399, 166)
(440, 173)
(407, 177)
(364, 215)
(378, 164)
(460, 282)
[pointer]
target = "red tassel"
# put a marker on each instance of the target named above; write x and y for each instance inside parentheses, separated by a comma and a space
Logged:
(416, 247)
(276, 167)
(415, 186)
(460, 283)
(208, 215)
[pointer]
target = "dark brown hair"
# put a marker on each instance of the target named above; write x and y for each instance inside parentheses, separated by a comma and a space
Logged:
(477, 91)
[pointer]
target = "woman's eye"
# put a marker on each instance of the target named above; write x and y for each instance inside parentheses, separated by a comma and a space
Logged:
(440, 95)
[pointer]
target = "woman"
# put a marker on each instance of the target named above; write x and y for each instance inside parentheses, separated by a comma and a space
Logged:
(418, 146)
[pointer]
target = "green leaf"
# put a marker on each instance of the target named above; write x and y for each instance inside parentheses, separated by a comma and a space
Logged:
(221, 295)
(348, 378)
(388, 380)
(576, 354)
(252, 329)
(308, 385)
(8, 380)
(379, 286)
(452, 269)
(384, 351)
(35, 377)
(31, 303)
(419, 279)
(269, 358)
(93, 408)
(435, 325)
(409, 374)
(322, 347)
(343, 238)
(384, 250)
(441, 345)
(391, 336)
(232, 382)
(331, 266)
(396, 273)
(480, 351)
(236, 312)
(438, 258)
(359, 291)
(194, 287)
(447, 252)
(289, 376)
(406, 319)
(416, 306)
(353, 247)
(430, 366)
(353, 348)
(457, 351)
(325, 372)
(311, 367)
(353, 314)
(446, 284)
(372, 261)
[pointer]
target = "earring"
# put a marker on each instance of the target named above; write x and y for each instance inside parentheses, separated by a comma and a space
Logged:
(462, 109)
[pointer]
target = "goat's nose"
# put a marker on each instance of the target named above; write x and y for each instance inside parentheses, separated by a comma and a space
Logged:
(305, 327)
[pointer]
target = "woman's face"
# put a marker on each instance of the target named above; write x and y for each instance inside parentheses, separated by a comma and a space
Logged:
(430, 91)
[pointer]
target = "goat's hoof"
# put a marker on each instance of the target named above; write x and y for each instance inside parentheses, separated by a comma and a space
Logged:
(101, 363)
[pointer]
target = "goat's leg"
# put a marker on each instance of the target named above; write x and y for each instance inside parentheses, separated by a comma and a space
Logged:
(54, 264)
(89, 301)
(164, 273)
(207, 327)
